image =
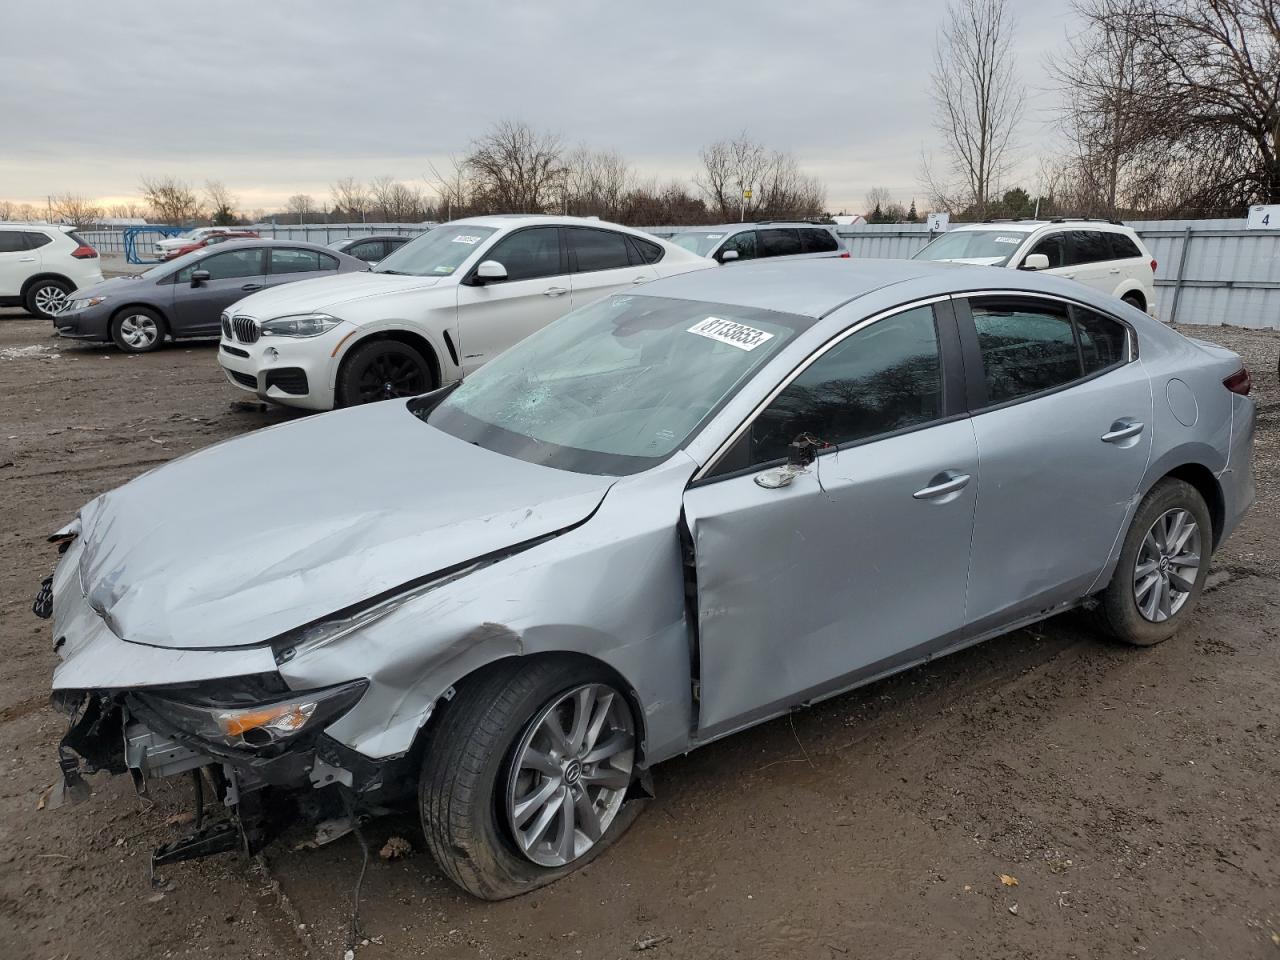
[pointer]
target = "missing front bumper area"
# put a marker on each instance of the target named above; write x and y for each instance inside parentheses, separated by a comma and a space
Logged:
(253, 798)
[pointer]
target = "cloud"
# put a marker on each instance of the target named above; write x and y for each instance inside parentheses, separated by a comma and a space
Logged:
(277, 97)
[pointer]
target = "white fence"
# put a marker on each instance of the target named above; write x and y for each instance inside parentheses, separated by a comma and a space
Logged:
(1209, 271)
(112, 241)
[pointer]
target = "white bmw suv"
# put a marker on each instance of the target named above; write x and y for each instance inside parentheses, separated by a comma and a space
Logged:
(40, 263)
(1102, 254)
(433, 310)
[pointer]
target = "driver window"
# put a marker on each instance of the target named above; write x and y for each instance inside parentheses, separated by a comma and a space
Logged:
(744, 243)
(885, 378)
(1053, 247)
(227, 266)
(529, 254)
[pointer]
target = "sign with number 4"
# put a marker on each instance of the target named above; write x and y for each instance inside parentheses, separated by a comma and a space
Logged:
(1264, 216)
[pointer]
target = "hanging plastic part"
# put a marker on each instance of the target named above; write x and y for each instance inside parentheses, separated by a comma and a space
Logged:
(801, 453)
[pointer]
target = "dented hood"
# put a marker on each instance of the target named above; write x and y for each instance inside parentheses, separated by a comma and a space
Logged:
(237, 543)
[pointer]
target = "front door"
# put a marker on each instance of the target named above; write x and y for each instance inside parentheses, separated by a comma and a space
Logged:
(496, 315)
(233, 275)
(603, 262)
(858, 564)
(1064, 436)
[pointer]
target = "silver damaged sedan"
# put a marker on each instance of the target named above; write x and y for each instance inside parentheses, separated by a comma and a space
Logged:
(662, 519)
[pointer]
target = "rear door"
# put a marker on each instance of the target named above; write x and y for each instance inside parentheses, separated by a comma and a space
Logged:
(17, 262)
(1062, 413)
(233, 275)
(603, 262)
(493, 316)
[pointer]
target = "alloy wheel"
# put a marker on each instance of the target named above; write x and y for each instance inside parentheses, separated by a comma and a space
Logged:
(1167, 566)
(50, 299)
(389, 375)
(570, 773)
(139, 331)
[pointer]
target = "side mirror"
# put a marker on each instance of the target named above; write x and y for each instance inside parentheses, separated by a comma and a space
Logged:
(1035, 261)
(198, 277)
(490, 271)
(728, 256)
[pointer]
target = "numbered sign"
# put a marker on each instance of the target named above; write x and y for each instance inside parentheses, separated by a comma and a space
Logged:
(938, 222)
(1264, 216)
(746, 194)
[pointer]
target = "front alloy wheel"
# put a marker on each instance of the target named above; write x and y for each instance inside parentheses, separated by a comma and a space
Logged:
(1168, 565)
(47, 298)
(570, 774)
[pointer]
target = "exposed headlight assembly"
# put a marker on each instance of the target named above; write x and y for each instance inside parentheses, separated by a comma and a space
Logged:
(301, 325)
(259, 725)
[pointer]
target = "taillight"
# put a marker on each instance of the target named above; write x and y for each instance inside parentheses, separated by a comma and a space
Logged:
(844, 256)
(1239, 382)
(84, 252)
(1153, 264)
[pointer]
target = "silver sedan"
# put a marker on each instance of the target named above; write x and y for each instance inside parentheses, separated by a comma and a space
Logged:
(666, 517)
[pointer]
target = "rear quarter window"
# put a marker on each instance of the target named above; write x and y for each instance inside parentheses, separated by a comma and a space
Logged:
(1123, 248)
(817, 241)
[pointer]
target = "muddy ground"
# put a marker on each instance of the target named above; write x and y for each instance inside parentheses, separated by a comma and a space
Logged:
(1134, 795)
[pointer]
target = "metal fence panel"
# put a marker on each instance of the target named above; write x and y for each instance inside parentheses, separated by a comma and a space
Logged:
(112, 241)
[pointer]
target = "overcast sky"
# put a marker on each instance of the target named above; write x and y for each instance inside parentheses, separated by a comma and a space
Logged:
(276, 97)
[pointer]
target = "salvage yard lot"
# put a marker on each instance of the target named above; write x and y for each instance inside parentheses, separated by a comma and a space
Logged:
(1131, 793)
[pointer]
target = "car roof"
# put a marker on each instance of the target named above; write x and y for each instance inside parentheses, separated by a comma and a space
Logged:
(815, 288)
(1027, 226)
(18, 225)
(753, 225)
(508, 221)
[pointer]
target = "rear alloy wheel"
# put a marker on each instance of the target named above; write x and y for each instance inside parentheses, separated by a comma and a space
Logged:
(1163, 565)
(525, 775)
(137, 330)
(46, 298)
(383, 370)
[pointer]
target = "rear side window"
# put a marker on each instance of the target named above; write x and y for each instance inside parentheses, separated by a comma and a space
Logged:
(1025, 349)
(597, 249)
(11, 241)
(646, 252)
(1054, 247)
(1088, 246)
(35, 240)
(370, 251)
(290, 260)
(778, 243)
(817, 241)
(1122, 247)
(1103, 341)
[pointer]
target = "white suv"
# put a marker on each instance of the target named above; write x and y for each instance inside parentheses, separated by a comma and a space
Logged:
(433, 310)
(1102, 254)
(41, 263)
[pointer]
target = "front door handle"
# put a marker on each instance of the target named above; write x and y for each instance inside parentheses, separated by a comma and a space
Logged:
(1114, 270)
(1123, 430)
(640, 280)
(252, 286)
(555, 291)
(949, 481)
(26, 259)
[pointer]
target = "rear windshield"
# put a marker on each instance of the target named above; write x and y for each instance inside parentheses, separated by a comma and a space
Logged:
(989, 246)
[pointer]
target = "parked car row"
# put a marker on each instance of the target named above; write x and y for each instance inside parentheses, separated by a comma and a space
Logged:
(702, 498)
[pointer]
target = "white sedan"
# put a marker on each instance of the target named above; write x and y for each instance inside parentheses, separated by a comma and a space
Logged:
(433, 311)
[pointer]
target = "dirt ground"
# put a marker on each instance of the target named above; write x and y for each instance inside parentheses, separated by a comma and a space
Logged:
(1130, 797)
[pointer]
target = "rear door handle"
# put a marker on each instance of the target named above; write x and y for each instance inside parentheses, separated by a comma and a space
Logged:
(252, 286)
(1123, 430)
(1115, 270)
(555, 291)
(640, 280)
(949, 481)
(26, 259)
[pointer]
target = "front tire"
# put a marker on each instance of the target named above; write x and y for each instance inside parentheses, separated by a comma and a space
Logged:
(46, 298)
(525, 775)
(383, 370)
(1163, 566)
(137, 330)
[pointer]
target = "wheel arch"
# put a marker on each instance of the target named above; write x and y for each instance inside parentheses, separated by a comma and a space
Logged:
(134, 305)
(45, 275)
(408, 337)
(1135, 292)
(1206, 484)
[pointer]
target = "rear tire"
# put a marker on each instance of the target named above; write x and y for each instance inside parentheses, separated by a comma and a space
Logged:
(46, 297)
(1155, 588)
(1133, 300)
(483, 762)
(137, 330)
(383, 370)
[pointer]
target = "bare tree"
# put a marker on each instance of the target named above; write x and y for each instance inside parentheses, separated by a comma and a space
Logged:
(651, 203)
(170, 200)
(595, 183)
(26, 212)
(74, 209)
(454, 189)
(127, 211)
(381, 196)
(8, 210)
(300, 205)
(978, 101)
(350, 199)
(221, 204)
(516, 169)
(733, 168)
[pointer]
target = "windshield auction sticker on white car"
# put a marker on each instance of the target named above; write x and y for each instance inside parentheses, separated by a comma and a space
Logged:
(726, 331)
(1007, 240)
(463, 238)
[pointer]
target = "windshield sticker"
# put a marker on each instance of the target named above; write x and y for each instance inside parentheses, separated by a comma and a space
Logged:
(714, 236)
(726, 331)
(468, 240)
(1007, 240)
